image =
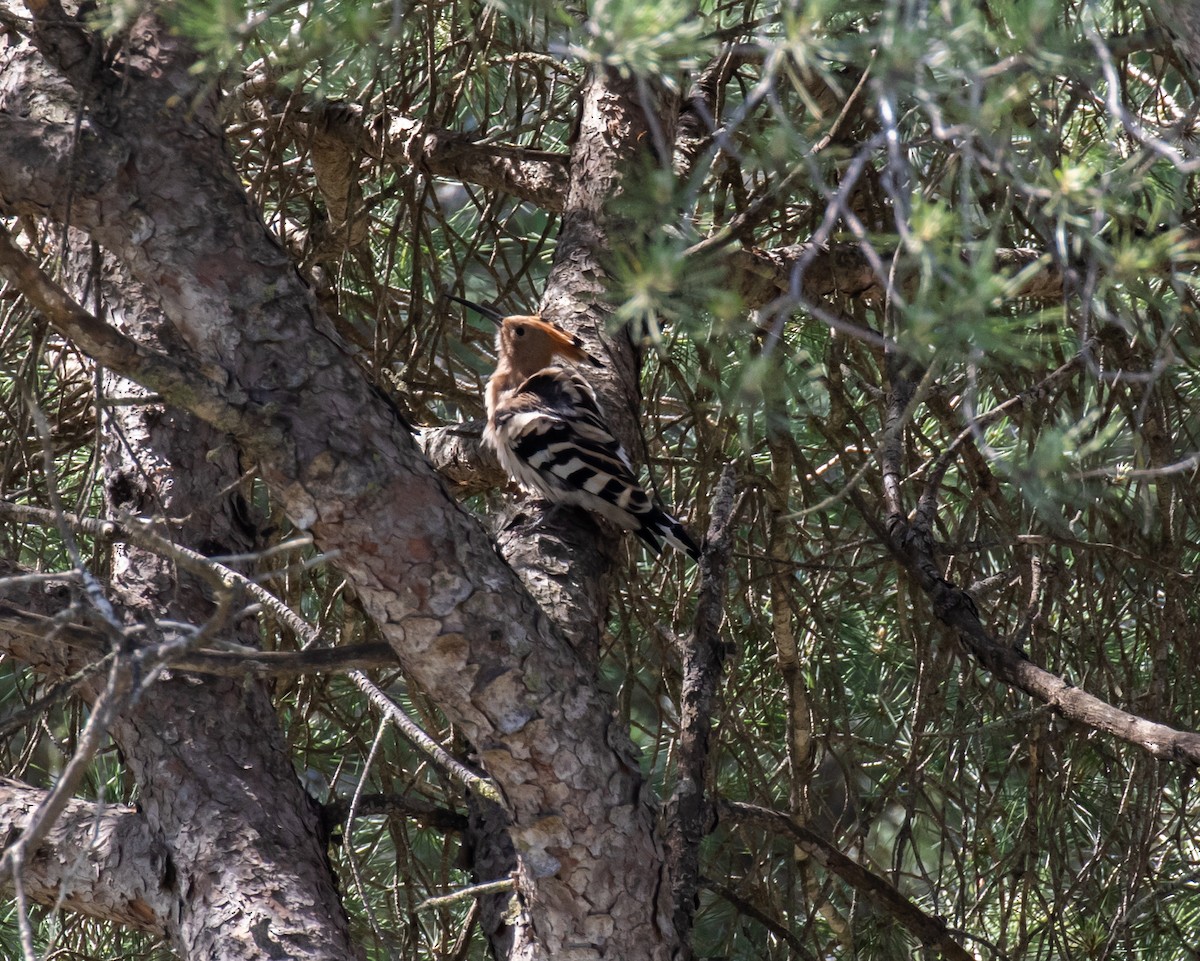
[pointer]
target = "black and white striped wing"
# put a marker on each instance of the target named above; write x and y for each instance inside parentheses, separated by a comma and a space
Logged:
(551, 437)
(554, 430)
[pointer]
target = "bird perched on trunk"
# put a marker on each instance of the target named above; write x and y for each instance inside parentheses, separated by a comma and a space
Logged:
(549, 434)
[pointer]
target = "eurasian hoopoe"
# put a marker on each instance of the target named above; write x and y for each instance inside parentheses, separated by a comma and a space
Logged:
(548, 432)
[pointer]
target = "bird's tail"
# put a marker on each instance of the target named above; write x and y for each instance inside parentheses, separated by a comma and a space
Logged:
(657, 525)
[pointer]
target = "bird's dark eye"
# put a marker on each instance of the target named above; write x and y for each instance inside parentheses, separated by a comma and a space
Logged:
(520, 331)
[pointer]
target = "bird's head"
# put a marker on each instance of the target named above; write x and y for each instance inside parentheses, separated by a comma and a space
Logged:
(527, 344)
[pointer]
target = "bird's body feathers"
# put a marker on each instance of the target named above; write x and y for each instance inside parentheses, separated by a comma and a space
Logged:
(551, 437)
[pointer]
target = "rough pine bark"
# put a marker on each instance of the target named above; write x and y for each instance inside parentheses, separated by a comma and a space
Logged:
(240, 868)
(248, 874)
(150, 181)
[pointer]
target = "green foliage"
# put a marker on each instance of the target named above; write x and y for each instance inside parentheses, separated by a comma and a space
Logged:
(654, 39)
(334, 45)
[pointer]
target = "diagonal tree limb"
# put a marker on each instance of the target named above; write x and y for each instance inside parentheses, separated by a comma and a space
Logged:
(121, 684)
(103, 861)
(63, 40)
(799, 949)
(926, 509)
(930, 931)
(455, 769)
(177, 382)
(954, 608)
(912, 543)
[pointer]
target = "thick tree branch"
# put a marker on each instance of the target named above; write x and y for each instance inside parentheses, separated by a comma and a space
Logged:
(39, 172)
(123, 673)
(460, 456)
(1182, 22)
(560, 557)
(99, 860)
(397, 805)
(42, 598)
(102, 860)
(537, 176)
(338, 130)
(62, 40)
(176, 382)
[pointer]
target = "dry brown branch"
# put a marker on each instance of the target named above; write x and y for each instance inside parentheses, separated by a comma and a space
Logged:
(690, 807)
(93, 643)
(844, 271)
(956, 610)
(930, 931)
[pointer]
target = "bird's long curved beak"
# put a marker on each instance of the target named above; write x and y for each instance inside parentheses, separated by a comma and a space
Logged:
(491, 313)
